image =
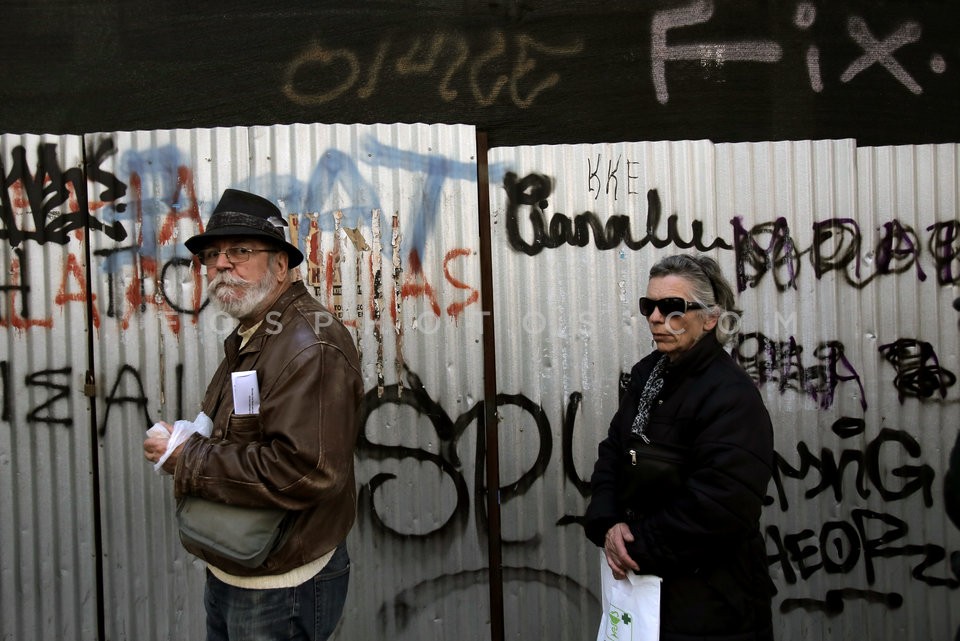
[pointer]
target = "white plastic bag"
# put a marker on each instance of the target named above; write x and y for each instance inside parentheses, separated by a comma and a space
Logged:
(631, 606)
(182, 430)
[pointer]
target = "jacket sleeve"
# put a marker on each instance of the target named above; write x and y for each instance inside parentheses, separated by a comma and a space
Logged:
(302, 443)
(603, 511)
(721, 503)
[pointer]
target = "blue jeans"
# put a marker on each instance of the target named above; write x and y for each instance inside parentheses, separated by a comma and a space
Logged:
(308, 612)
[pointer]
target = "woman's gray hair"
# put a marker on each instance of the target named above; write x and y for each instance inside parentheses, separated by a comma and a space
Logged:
(710, 288)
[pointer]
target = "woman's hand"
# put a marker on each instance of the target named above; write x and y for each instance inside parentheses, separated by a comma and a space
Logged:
(615, 549)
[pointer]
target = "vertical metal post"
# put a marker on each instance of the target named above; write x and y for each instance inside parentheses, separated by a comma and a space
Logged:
(90, 390)
(491, 422)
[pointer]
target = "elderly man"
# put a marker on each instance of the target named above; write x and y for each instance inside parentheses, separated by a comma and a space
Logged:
(296, 453)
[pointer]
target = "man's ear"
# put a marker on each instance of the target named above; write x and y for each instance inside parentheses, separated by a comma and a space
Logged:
(283, 262)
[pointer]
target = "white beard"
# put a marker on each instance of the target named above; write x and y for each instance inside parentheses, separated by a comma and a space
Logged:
(252, 295)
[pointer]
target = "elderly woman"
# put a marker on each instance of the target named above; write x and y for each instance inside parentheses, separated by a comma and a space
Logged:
(681, 477)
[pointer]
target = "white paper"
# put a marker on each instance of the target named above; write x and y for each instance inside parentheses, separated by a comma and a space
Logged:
(246, 393)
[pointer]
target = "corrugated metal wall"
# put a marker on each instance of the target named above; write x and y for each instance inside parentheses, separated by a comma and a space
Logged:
(47, 470)
(846, 264)
(387, 216)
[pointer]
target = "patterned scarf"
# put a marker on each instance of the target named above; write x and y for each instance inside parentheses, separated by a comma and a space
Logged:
(650, 391)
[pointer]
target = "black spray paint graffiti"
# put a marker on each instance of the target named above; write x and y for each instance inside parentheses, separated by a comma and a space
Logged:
(919, 374)
(7, 390)
(448, 432)
(765, 248)
(59, 391)
(57, 201)
(532, 192)
(838, 246)
(890, 463)
(119, 300)
(19, 287)
(841, 546)
(175, 270)
(117, 396)
(870, 467)
(51, 189)
(781, 362)
(838, 548)
(54, 407)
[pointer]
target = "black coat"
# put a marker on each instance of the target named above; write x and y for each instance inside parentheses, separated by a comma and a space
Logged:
(701, 533)
(951, 484)
(951, 501)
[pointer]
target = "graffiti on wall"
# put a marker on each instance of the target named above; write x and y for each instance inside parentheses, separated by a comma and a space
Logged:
(520, 67)
(766, 250)
(153, 255)
(840, 547)
(850, 552)
(363, 245)
(55, 198)
(891, 464)
(133, 246)
(873, 50)
(321, 74)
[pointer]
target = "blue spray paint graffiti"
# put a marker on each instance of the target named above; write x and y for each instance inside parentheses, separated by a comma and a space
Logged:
(336, 180)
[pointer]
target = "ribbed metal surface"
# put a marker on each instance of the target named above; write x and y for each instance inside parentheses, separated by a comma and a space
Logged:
(155, 355)
(419, 552)
(846, 328)
(47, 556)
(846, 264)
(388, 218)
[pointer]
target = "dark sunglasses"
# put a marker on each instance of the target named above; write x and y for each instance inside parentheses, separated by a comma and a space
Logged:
(667, 306)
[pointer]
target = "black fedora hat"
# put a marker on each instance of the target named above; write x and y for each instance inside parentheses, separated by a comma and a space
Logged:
(242, 214)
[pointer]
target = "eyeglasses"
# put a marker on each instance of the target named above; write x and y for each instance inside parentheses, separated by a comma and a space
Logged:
(668, 306)
(209, 257)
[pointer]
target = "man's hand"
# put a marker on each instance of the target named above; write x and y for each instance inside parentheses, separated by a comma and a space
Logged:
(155, 446)
(615, 549)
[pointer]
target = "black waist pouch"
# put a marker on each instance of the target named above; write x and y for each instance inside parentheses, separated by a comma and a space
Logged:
(650, 470)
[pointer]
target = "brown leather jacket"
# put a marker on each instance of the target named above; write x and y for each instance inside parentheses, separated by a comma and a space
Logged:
(298, 452)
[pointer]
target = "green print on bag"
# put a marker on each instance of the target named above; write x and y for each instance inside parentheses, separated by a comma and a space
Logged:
(616, 620)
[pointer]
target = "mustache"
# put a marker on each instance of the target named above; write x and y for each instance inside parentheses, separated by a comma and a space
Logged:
(226, 279)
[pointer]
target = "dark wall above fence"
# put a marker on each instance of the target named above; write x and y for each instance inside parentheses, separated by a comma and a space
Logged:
(525, 71)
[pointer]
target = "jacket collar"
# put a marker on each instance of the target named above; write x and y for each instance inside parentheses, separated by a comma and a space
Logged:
(696, 358)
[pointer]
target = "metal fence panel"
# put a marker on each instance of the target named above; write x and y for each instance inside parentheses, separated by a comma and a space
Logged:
(47, 473)
(387, 215)
(845, 263)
